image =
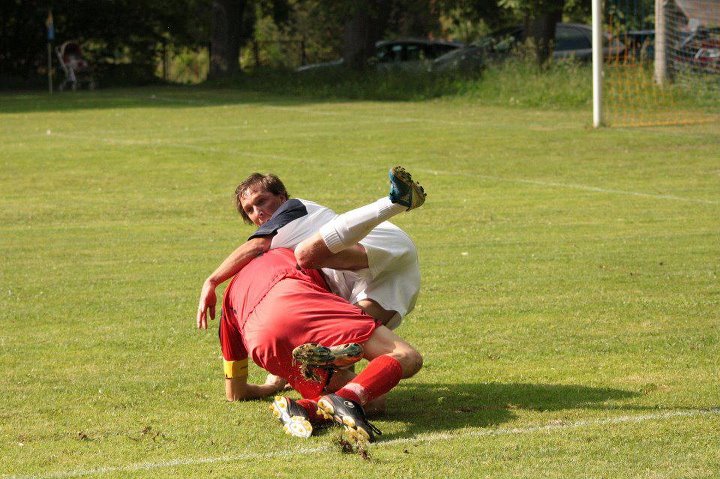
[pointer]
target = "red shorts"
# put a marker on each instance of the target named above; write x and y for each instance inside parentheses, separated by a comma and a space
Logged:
(294, 312)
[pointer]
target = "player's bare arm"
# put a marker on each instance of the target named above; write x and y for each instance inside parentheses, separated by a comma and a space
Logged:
(227, 269)
(238, 389)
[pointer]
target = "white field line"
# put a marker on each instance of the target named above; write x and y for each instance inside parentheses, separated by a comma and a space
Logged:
(420, 438)
(575, 186)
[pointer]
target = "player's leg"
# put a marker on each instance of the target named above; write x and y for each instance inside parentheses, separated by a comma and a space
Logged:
(352, 259)
(341, 378)
(284, 318)
(372, 308)
(347, 229)
(391, 359)
(383, 342)
(395, 276)
(300, 416)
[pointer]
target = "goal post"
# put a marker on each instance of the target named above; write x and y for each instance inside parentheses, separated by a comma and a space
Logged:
(597, 61)
(656, 62)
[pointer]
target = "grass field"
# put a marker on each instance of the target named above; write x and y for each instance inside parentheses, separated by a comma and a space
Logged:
(569, 318)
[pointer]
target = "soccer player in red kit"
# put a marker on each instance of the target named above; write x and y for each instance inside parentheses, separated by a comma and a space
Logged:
(271, 307)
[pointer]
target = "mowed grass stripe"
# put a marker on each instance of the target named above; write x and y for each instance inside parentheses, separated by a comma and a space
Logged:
(424, 438)
(160, 143)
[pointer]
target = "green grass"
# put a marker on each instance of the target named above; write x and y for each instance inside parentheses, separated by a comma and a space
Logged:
(570, 285)
(517, 82)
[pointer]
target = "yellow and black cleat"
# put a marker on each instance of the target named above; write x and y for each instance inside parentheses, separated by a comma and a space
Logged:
(294, 418)
(312, 355)
(350, 415)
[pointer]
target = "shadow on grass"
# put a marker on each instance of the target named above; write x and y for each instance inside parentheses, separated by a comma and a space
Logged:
(444, 407)
(167, 97)
(271, 88)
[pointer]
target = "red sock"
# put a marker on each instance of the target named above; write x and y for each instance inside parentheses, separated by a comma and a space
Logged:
(311, 407)
(379, 376)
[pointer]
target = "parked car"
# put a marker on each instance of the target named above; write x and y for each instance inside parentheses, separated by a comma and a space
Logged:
(572, 41)
(700, 50)
(412, 54)
(469, 59)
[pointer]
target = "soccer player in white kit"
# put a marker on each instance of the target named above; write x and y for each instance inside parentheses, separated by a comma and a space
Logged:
(365, 259)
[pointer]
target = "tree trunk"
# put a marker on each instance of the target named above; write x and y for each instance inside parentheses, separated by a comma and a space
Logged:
(225, 42)
(541, 29)
(361, 32)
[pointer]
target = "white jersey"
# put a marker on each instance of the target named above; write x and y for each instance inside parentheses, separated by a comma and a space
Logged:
(393, 276)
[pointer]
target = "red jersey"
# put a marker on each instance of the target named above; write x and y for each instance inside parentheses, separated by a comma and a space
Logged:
(272, 306)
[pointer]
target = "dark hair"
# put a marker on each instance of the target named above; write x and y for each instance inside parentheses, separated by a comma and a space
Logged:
(269, 183)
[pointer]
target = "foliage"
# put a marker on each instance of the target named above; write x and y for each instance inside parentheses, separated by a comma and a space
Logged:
(564, 84)
(470, 20)
(185, 66)
(112, 32)
(130, 32)
(319, 27)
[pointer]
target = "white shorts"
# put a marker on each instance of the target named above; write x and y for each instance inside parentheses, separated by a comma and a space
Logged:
(392, 279)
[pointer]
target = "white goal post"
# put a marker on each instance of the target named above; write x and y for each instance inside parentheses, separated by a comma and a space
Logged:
(597, 60)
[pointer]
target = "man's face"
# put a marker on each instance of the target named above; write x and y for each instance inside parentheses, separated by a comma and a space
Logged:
(259, 204)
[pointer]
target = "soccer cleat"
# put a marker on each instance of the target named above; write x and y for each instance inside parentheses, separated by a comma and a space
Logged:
(313, 355)
(294, 418)
(404, 191)
(350, 415)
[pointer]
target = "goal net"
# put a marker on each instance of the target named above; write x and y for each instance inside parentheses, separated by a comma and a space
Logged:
(662, 62)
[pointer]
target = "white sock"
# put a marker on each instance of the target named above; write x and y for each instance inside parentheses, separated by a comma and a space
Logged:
(351, 227)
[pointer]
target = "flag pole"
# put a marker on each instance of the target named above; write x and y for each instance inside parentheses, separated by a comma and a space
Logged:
(50, 37)
(50, 83)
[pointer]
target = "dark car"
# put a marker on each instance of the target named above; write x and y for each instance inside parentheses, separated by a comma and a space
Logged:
(412, 54)
(468, 59)
(700, 50)
(572, 41)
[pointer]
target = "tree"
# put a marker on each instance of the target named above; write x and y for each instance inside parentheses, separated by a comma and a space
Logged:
(227, 19)
(361, 32)
(118, 34)
(470, 19)
(367, 21)
(540, 18)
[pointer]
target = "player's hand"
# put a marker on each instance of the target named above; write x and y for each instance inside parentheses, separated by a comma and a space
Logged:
(207, 303)
(276, 381)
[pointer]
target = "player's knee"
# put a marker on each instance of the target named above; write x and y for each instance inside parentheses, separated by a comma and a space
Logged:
(416, 363)
(410, 360)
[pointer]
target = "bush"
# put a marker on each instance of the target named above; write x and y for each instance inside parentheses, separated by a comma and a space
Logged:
(515, 82)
